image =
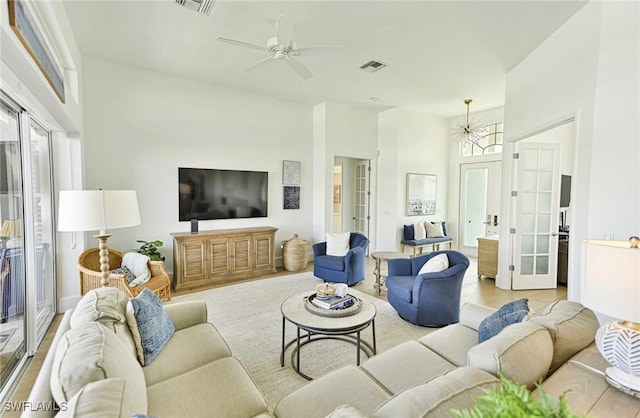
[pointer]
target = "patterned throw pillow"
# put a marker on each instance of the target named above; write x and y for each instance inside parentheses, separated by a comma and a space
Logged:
(124, 270)
(150, 325)
(509, 313)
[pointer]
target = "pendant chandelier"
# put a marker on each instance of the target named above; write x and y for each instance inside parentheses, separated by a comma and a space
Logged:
(469, 131)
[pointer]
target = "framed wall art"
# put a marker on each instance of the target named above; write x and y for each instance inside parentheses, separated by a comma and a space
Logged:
(291, 197)
(291, 173)
(26, 28)
(421, 194)
(337, 193)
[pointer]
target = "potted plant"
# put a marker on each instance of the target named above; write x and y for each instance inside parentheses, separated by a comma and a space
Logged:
(510, 399)
(150, 249)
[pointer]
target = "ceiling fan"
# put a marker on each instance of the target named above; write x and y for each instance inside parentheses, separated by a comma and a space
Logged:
(280, 47)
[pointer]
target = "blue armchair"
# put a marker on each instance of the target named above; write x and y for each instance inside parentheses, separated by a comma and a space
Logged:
(431, 299)
(348, 269)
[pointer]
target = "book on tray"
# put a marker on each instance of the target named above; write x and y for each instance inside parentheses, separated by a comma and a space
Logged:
(334, 302)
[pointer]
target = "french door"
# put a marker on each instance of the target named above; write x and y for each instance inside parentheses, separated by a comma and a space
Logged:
(537, 206)
(361, 213)
(480, 203)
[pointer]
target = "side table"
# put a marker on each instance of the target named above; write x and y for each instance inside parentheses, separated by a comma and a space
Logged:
(380, 256)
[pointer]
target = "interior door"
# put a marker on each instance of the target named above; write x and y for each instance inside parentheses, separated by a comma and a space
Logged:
(361, 213)
(537, 205)
(480, 203)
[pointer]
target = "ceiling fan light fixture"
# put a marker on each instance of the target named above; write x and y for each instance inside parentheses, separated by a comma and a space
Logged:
(201, 6)
(469, 130)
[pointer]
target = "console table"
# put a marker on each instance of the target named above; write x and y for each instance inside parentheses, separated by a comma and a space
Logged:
(215, 257)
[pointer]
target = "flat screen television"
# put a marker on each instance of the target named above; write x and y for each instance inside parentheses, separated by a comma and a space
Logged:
(205, 194)
(565, 191)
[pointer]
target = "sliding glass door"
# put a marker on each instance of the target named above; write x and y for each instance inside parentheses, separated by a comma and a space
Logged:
(27, 266)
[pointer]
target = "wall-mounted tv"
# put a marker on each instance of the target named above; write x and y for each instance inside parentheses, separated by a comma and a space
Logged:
(205, 194)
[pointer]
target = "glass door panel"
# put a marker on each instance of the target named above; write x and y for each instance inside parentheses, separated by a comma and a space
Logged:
(12, 260)
(43, 226)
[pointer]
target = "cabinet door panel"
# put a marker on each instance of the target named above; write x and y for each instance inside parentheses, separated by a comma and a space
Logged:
(242, 254)
(194, 266)
(219, 257)
(264, 251)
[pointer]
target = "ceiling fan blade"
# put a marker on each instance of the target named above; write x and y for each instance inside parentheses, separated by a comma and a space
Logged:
(261, 63)
(284, 31)
(300, 69)
(241, 43)
(313, 50)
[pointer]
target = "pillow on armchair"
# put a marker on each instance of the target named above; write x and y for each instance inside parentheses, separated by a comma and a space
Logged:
(338, 244)
(137, 264)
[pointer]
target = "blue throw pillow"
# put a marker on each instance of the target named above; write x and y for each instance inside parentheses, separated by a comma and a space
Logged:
(509, 313)
(150, 325)
(409, 233)
(124, 270)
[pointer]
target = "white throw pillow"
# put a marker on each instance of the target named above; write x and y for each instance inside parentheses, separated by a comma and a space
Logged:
(434, 230)
(338, 244)
(438, 263)
(137, 264)
(418, 231)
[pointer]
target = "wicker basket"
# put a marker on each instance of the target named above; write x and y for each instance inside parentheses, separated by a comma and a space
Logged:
(295, 255)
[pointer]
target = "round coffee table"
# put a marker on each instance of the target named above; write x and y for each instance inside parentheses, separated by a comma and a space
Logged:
(344, 328)
(383, 256)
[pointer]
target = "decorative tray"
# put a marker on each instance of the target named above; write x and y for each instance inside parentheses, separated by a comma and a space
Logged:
(332, 313)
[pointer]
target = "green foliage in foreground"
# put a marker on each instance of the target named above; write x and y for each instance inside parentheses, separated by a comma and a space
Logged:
(512, 400)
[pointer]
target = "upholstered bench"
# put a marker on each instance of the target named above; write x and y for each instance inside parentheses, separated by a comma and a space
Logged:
(420, 235)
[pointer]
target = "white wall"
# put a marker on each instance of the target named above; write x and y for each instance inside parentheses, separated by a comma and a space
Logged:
(141, 126)
(410, 142)
(589, 70)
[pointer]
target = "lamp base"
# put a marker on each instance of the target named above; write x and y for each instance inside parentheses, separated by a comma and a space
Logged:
(622, 381)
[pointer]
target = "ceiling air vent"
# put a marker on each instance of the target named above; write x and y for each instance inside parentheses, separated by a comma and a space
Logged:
(373, 66)
(201, 6)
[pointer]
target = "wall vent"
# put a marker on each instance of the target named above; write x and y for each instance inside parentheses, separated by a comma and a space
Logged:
(201, 6)
(373, 66)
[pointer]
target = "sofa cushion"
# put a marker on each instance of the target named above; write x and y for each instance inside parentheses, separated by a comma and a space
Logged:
(452, 343)
(318, 398)
(338, 243)
(456, 389)
(346, 411)
(180, 354)
(408, 232)
(434, 229)
(150, 326)
(508, 314)
(89, 353)
(435, 264)
(406, 365)
(101, 399)
(221, 388)
(572, 328)
(419, 231)
(522, 352)
(104, 304)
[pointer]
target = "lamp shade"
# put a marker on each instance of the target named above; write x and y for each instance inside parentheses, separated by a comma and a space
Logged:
(97, 210)
(611, 279)
(11, 228)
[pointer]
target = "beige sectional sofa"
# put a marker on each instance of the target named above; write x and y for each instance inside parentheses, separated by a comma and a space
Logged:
(92, 367)
(447, 368)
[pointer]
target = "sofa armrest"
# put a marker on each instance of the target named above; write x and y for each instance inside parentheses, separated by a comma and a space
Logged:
(187, 314)
(471, 314)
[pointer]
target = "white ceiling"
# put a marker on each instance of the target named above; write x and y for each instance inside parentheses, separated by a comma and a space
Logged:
(437, 52)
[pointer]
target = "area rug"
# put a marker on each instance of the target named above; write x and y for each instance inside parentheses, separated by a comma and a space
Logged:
(248, 317)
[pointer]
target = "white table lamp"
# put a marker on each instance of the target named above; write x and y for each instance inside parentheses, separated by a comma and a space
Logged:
(611, 286)
(98, 210)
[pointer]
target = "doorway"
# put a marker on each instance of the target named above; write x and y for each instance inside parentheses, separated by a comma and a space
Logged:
(480, 203)
(351, 195)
